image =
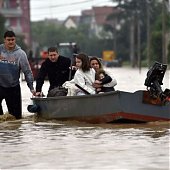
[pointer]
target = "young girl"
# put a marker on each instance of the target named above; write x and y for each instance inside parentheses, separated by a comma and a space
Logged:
(84, 76)
(100, 76)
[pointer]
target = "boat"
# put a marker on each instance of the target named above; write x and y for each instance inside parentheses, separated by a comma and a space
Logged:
(148, 105)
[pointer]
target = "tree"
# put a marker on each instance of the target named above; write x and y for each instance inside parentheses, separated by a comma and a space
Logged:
(132, 13)
(140, 18)
(157, 39)
(52, 34)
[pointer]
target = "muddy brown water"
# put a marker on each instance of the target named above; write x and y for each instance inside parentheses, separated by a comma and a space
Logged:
(31, 143)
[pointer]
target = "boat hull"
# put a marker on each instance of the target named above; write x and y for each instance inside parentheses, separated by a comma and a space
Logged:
(102, 108)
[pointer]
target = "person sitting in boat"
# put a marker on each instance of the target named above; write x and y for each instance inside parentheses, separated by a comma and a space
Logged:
(107, 81)
(56, 67)
(84, 76)
(100, 76)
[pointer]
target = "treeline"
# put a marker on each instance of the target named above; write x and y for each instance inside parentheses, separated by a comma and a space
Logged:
(141, 34)
(138, 34)
(51, 34)
(145, 32)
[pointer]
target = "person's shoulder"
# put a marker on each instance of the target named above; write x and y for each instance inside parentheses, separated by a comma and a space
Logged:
(1, 46)
(17, 47)
(20, 50)
(79, 71)
(92, 70)
(65, 60)
(46, 61)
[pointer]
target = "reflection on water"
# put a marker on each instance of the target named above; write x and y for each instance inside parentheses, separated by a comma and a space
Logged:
(28, 144)
(33, 144)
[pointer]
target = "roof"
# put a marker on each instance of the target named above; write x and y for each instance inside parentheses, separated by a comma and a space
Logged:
(100, 13)
(87, 12)
(74, 18)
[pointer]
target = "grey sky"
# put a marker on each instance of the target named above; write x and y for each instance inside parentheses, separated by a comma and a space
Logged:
(41, 9)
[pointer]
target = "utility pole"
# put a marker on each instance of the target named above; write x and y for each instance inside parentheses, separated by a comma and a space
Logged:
(132, 50)
(138, 42)
(164, 56)
(148, 34)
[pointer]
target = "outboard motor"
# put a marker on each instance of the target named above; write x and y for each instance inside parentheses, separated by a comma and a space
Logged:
(154, 81)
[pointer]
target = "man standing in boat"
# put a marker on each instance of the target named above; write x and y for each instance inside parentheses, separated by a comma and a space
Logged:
(56, 67)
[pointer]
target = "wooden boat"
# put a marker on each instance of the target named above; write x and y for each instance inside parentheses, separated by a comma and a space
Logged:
(117, 106)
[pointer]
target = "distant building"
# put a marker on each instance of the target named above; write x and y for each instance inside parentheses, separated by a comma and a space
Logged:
(72, 22)
(17, 15)
(97, 17)
(86, 16)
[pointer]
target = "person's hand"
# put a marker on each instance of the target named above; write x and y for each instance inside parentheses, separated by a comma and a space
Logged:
(73, 68)
(98, 89)
(39, 94)
(96, 85)
(97, 82)
(33, 92)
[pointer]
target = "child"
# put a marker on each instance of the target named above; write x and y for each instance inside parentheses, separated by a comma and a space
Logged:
(84, 76)
(101, 76)
(107, 81)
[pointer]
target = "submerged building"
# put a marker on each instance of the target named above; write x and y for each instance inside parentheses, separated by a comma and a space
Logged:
(17, 16)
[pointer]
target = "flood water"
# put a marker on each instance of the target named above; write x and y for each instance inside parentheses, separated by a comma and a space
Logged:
(32, 144)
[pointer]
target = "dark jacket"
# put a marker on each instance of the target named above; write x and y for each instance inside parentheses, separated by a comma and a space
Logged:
(106, 89)
(105, 80)
(57, 72)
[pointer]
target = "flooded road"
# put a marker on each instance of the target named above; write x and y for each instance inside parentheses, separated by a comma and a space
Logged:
(32, 144)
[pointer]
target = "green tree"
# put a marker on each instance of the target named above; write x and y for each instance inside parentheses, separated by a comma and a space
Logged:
(52, 34)
(156, 38)
(134, 12)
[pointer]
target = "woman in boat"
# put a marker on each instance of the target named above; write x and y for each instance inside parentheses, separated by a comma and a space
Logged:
(107, 81)
(84, 76)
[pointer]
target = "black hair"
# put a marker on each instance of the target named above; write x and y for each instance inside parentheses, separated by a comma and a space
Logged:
(9, 34)
(52, 49)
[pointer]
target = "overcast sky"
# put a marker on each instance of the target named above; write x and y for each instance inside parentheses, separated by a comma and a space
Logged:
(61, 9)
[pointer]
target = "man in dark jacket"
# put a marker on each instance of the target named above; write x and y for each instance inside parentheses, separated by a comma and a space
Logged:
(56, 67)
